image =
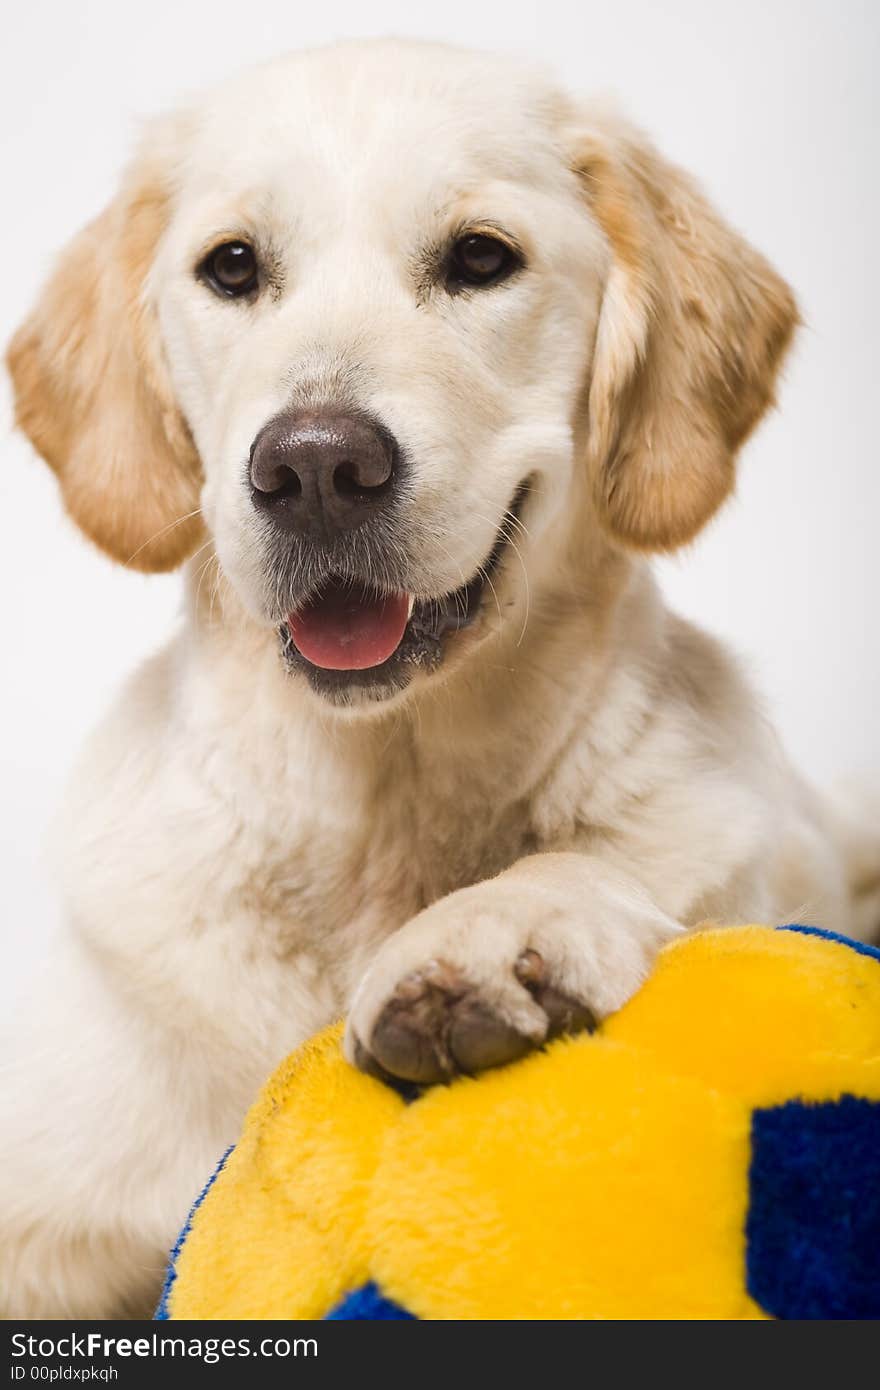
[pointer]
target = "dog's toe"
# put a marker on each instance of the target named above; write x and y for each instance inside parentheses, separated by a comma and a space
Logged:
(408, 1037)
(565, 1014)
(437, 1024)
(479, 1038)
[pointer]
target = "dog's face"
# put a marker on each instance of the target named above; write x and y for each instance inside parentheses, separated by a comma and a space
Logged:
(377, 296)
(384, 318)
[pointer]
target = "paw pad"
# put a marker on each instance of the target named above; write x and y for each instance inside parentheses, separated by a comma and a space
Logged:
(437, 1024)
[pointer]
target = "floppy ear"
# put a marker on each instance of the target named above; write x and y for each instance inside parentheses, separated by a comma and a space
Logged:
(92, 391)
(693, 327)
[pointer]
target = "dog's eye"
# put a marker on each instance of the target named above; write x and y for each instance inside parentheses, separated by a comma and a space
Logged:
(231, 269)
(481, 260)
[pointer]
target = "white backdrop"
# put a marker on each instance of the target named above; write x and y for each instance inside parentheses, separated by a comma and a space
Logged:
(771, 102)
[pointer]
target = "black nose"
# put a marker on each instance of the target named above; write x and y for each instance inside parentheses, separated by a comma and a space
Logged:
(320, 472)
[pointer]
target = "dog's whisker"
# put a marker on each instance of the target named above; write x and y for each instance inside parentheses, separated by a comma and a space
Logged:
(487, 579)
(528, 589)
(201, 550)
(511, 519)
(202, 572)
(178, 521)
(215, 588)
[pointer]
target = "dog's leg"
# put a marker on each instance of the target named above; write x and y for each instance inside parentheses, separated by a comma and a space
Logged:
(106, 1130)
(482, 976)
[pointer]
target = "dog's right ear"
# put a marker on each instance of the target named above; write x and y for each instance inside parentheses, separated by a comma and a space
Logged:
(92, 390)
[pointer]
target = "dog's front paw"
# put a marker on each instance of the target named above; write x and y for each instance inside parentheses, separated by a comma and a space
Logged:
(491, 972)
(437, 1022)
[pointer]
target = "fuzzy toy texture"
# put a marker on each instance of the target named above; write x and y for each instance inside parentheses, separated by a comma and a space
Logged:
(713, 1151)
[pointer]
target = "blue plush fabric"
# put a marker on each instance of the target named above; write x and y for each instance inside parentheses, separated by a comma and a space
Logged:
(367, 1303)
(861, 948)
(162, 1313)
(813, 1228)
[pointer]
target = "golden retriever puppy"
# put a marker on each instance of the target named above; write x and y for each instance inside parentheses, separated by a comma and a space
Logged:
(411, 361)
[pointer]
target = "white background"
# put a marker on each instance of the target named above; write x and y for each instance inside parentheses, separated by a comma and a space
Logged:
(771, 102)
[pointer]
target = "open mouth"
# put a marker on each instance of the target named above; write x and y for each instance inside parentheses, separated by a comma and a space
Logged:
(350, 638)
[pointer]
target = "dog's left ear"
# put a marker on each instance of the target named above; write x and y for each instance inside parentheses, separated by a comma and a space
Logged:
(692, 331)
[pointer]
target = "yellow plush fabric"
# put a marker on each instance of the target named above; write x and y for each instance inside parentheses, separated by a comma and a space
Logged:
(281, 1232)
(767, 1015)
(605, 1177)
(547, 1175)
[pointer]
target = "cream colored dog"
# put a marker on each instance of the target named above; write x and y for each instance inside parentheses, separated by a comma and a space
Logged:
(413, 361)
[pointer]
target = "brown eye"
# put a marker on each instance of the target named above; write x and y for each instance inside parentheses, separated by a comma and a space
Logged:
(231, 269)
(481, 260)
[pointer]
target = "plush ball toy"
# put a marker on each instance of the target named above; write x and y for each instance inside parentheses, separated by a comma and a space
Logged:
(712, 1151)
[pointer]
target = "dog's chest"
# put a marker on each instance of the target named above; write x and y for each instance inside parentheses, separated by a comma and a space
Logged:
(343, 861)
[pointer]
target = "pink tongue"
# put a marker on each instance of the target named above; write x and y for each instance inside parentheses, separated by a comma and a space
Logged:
(349, 629)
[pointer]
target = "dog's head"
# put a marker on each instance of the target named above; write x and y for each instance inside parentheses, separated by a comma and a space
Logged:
(394, 323)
